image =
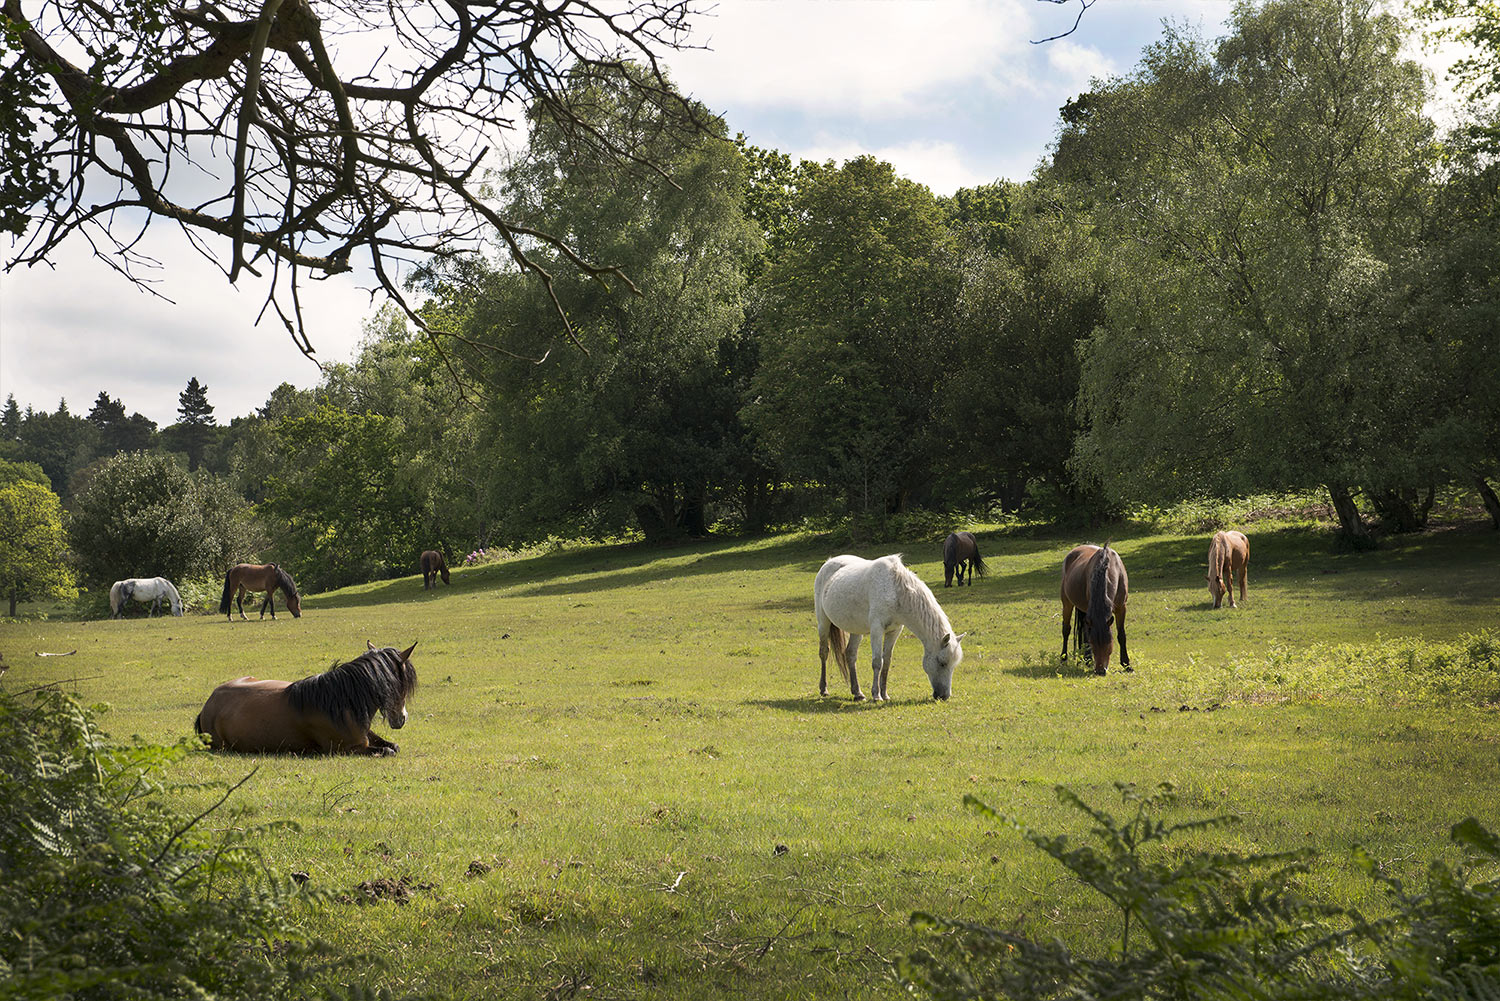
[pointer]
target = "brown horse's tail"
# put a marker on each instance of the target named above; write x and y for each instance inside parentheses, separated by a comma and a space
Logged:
(840, 641)
(198, 723)
(224, 601)
(979, 565)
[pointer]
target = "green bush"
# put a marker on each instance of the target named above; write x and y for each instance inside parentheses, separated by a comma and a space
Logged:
(105, 893)
(1208, 924)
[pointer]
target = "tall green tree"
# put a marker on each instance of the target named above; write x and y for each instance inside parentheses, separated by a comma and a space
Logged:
(117, 432)
(141, 514)
(639, 428)
(59, 442)
(349, 513)
(196, 428)
(33, 549)
(1258, 199)
(1031, 294)
(857, 320)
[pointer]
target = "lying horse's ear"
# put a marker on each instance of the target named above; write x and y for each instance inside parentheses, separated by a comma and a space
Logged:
(406, 654)
(369, 645)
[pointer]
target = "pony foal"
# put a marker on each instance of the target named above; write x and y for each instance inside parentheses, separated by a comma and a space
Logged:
(854, 597)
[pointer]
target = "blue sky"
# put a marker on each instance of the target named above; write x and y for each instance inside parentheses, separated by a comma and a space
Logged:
(953, 92)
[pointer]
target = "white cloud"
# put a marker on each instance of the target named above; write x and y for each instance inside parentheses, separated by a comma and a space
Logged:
(863, 57)
(1075, 66)
(79, 328)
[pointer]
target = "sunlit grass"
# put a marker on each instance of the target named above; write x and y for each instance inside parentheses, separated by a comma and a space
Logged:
(618, 773)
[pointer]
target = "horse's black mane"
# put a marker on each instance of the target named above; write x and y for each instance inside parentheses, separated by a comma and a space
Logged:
(287, 584)
(1101, 603)
(359, 688)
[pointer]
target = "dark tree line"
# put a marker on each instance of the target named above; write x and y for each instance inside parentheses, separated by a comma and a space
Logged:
(1250, 264)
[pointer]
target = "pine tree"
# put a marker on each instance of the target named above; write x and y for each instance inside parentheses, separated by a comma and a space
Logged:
(10, 420)
(106, 412)
(195, 421)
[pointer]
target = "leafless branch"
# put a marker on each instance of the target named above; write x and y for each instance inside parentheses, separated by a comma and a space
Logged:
(311, 135)
(1083, 6)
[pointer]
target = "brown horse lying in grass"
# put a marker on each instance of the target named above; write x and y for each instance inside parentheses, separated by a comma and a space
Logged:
(1094, 591)
(1228, 559)
(328, 713)
(265, 577)
(433, 564)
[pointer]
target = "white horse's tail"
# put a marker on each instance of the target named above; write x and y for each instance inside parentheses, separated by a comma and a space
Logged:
(840, 641)
(115, 598)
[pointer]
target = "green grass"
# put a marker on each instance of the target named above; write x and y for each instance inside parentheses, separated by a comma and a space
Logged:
(610, 744)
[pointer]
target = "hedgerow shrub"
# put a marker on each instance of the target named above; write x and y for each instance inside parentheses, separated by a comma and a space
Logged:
(106, 893)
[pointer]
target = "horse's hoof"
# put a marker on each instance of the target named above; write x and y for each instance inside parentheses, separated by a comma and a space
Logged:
(1099, 671)
(858, 697)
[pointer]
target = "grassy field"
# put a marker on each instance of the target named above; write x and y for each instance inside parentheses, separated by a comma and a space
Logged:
(619, 781)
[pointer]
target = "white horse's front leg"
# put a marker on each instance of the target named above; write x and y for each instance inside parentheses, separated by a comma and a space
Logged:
(851, 657)
(888, 647)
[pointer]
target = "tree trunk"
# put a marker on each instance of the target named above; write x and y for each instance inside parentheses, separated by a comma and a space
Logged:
(1399, 508)
(12, 602)
(1491, 502)
(1351, 526)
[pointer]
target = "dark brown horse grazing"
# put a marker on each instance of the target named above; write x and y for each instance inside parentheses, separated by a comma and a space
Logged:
(328, 713)
(433, 565)
(1228, 558)
(961, 553)
(260, 577)
(1094, 592)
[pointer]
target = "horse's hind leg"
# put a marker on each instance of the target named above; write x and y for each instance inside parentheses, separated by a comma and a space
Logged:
(823, 656)
(1067, 625)
(851, 655)
(239, 602)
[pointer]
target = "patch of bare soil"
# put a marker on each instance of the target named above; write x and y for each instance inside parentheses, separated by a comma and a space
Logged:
(373, 891)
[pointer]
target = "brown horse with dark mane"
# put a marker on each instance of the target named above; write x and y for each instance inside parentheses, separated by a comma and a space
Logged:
(960, 554)
(328, 713)
(1228, 559)
(1094, 591)
(260, 577)
(433, 564)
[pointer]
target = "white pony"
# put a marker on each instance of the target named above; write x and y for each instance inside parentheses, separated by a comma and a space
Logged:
(853, 597)
(143, 589)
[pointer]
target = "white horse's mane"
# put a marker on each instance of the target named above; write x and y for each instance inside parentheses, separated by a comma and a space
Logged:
(917, 599)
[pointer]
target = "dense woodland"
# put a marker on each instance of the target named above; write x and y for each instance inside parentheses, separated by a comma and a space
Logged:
(1251, 264)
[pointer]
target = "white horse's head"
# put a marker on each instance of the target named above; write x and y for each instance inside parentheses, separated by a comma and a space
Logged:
(939, 662)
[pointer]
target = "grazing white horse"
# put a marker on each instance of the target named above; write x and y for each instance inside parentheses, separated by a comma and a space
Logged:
(854, 597)
(143, 589)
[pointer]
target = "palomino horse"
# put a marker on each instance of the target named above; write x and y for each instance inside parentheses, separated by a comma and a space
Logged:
(328, 713)
(433, 565)
(1094, 591)
(961, 553)
(143, 589)
(260, 577)
(1228, 558)
(853, 597)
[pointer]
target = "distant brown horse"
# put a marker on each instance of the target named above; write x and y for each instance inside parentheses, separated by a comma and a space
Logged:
(1228, 559)
(1094, 591)
(433, 565)
(960, 553)
(260, 577)
(328, 713)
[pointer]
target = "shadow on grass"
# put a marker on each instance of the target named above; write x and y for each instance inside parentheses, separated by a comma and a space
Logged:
(1045, 665)
(835, 704)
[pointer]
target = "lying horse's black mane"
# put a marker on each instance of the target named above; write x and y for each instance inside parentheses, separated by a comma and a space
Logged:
(359, 688)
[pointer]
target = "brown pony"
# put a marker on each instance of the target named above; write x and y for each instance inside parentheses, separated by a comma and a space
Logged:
(961, 553)
(1228, 558)
(1094, 591)
(432, 565)
(328, 713)
(260, 577)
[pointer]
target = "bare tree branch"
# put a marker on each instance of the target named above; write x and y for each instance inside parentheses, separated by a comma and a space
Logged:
(313, 133)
